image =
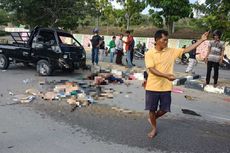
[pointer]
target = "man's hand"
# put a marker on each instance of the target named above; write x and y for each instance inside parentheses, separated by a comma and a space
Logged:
(205, 36)
(171, 77)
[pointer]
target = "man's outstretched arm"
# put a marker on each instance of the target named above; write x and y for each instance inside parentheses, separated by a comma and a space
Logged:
(193, 46)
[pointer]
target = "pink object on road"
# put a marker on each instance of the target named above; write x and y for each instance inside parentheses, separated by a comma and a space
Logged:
(177, 90)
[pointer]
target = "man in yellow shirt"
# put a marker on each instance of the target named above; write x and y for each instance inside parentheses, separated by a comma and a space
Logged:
(159, 62)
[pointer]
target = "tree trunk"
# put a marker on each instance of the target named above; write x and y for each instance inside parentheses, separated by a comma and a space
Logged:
(170, 27)
(97, 25)
(128, 21)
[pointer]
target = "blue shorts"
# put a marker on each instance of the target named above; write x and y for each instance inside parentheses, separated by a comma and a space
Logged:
(152, 99)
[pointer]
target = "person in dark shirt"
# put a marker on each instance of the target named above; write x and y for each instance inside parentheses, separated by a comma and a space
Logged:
(192, 60)
(96, 42)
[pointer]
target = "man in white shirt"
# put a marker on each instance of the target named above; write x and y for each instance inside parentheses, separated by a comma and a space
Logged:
(119, 50)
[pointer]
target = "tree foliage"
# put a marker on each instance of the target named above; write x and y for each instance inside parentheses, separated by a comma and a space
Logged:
(105, 12)
(170, 11)
(132, 8)
(216, 15)
(4, 17)
(64, 13)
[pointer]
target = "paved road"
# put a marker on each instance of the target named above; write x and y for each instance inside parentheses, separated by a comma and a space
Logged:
(51, 127)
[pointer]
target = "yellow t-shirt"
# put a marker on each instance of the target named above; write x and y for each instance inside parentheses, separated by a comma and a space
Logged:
(163, 61)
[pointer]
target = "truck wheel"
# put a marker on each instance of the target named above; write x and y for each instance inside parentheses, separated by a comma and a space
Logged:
(4, 62)
(44, 68)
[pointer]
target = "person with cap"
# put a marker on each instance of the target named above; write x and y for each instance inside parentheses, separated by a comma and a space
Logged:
(192, 60)
(214, 56)
(96, 42)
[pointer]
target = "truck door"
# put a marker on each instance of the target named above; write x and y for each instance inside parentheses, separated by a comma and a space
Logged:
(42, 45)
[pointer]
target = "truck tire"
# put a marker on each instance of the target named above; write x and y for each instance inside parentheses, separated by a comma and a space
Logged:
(44, 68)
(4, 62)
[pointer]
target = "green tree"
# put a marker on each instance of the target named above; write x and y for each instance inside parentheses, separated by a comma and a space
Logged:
(4, 17)
(216, 15)
(63, 13)
(119, 18)
(132, 7)
(104, 12)
(170, 11)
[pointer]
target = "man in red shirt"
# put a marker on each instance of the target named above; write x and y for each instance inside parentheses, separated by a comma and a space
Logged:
(128, 48)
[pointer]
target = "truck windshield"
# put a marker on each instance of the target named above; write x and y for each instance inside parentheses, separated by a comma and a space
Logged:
(67, 39)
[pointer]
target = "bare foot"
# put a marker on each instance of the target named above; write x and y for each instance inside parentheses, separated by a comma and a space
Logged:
(152, 134)
(150, 121)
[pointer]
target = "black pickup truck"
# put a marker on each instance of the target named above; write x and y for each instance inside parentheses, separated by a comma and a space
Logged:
(49, 49)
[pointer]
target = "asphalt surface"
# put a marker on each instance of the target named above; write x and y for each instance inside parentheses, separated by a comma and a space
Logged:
(44, 126)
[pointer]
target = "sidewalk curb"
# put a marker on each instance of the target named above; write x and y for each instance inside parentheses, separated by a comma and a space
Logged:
(182, 80)
(195, 84)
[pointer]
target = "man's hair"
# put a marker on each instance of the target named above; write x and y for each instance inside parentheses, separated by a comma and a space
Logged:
(158, 34)
(114, 37)
(95, 30)
(217, 33)
(128, 32)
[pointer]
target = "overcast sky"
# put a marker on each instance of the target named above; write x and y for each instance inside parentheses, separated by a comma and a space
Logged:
(145, 11)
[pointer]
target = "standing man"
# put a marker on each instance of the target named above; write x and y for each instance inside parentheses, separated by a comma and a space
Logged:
(96, 42)
(128, 44)
(132, 45)
(159, 62)
(192, 60)
(214, 56)
(119, 48)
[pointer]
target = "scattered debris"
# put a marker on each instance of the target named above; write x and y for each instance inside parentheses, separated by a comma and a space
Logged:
(11, 93)
(210, 88)
(23, 98)
(190, 112)
(190, 98)
(34, 92)
(50, 96)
